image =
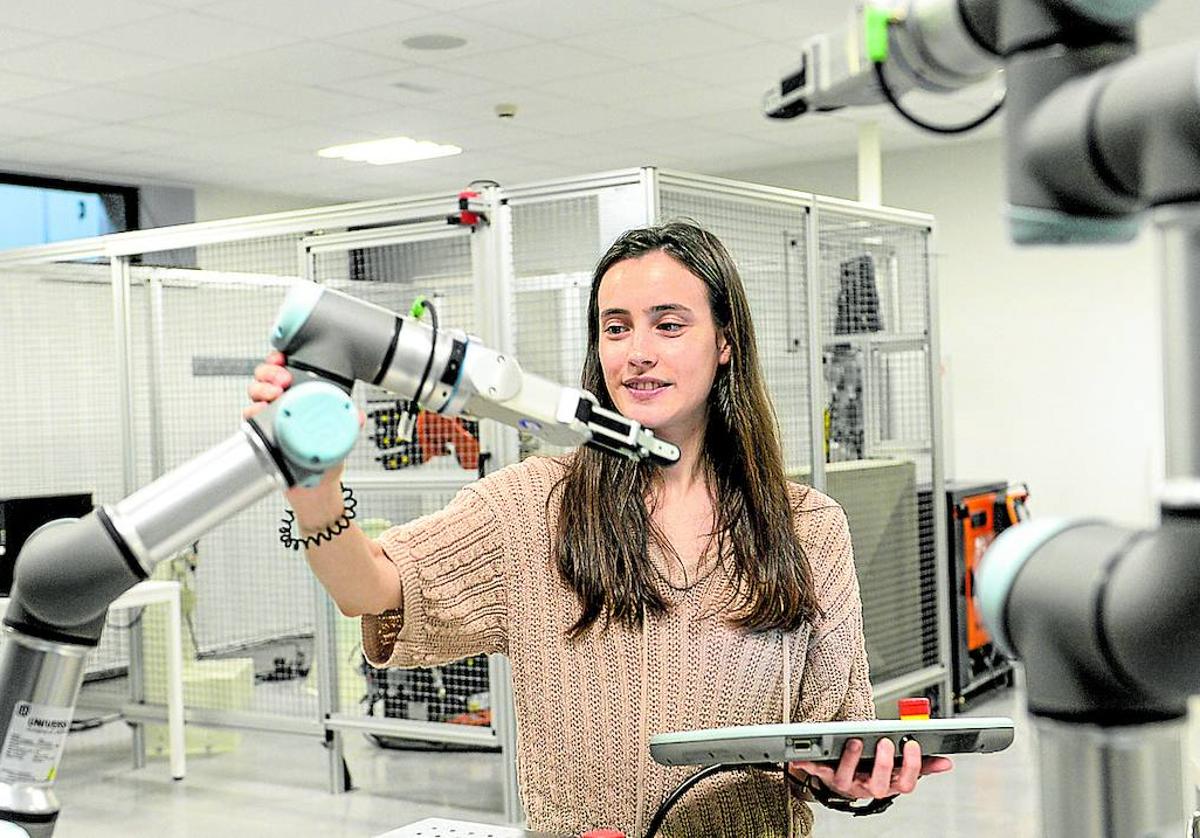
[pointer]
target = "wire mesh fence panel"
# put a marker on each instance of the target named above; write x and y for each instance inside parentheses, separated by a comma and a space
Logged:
(395, 475)
(270, 255)
(454, 693)
(555, 245)
(879, 435)
(247, 603)
(393, 276)
(767, 242)
(61, 423)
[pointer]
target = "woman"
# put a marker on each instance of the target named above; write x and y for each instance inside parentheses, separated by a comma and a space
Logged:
(633, 599)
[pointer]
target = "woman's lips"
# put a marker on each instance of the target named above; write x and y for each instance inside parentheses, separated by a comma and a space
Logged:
(639, 394)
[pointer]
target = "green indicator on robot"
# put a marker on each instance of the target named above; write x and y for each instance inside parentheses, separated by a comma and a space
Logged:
(876, 22)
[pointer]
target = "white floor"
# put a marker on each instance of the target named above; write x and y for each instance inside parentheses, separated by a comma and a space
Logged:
(274, 784)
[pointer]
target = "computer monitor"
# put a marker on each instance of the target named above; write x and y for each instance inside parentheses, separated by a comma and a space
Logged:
(19, 517)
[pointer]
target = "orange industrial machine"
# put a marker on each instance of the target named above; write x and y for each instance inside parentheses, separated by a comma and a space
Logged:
(978, 513)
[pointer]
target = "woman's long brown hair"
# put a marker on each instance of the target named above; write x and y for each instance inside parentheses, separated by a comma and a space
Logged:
(606, 524)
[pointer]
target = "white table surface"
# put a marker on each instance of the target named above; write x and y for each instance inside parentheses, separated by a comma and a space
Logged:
(148, 593)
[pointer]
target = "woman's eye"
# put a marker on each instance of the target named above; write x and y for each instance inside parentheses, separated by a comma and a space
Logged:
(671, 327)
(614, 329)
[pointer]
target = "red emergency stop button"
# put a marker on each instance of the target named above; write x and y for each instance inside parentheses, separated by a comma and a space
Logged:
(914, 709)
(603, 833)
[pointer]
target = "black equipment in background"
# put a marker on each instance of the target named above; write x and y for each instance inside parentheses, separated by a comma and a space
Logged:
(19, 517)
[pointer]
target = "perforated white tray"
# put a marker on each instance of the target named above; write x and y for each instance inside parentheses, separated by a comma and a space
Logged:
(442, 828)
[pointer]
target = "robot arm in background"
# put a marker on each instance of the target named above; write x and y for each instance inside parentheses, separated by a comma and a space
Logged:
(1104, 617)
(70, 571)
(1094, 133)
(936, 45)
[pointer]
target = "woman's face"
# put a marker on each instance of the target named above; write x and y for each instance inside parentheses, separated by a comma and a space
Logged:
(659, 345)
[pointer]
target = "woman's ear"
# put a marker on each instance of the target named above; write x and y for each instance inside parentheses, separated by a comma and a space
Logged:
(724, 350)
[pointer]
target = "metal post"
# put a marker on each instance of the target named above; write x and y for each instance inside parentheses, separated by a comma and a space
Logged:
(325, 656)
(123, 338)
(651, 189)
(491, 257)
(816, 347)
(937, 485)
(504, 722)
(1112, 782)
(326, 660)
(1180, 305)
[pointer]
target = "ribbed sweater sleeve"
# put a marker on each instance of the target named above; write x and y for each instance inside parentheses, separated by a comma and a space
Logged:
(836, 684)
(454, 599)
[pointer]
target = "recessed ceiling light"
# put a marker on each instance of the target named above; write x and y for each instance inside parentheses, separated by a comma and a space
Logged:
(391, 150)
(434, 42)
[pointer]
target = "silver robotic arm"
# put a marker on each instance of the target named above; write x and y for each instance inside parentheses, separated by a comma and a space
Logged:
(1096, 135)
(935, 45)
(70, 571)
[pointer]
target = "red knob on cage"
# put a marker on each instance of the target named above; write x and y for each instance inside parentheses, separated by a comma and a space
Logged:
(914, 709)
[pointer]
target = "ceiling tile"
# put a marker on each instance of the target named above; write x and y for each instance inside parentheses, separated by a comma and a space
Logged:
(574, 120)
(314, 18)
(481, 107)
(672, 38)
(17, 38)
(102, 104)
(304, 137)
(418, 123)
(193, 83)
(532, 64)
(139, 164)
(581, 148)
(680, 104)
(554, 21)
(17, 86)
(311, 62)
(70, 17)
(80, 63)
(498, 134)
(699, 5)
(125, 138)
(292, 101)
(415, 85)
(211, 122)
(760, 64)
(785, 21)
(49, 153)
(619, 86)
(19, 121)
(189, 36)
(449, 5)
(480, 37)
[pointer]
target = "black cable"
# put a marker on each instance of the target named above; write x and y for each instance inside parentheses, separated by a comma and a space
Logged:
(661, 815)
(349, 503)
(962, 128)
(433, 324)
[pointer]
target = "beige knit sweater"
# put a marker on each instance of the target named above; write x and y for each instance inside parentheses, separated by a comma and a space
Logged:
(479, 576)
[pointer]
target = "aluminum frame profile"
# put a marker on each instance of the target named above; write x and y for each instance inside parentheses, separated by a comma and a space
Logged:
(710, 184)
(559, 187)
(228, 230)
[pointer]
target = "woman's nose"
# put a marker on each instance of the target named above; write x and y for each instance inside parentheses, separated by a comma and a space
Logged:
(639, 353)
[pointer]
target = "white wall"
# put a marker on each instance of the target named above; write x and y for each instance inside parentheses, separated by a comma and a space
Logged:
(1051, 356)
(214, 202)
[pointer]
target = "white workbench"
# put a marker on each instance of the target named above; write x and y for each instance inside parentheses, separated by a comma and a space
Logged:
(149, 593)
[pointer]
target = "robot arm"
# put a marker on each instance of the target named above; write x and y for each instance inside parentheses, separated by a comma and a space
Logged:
(935, 45)
(70, 571)
(447, 372)
(1094, 134)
